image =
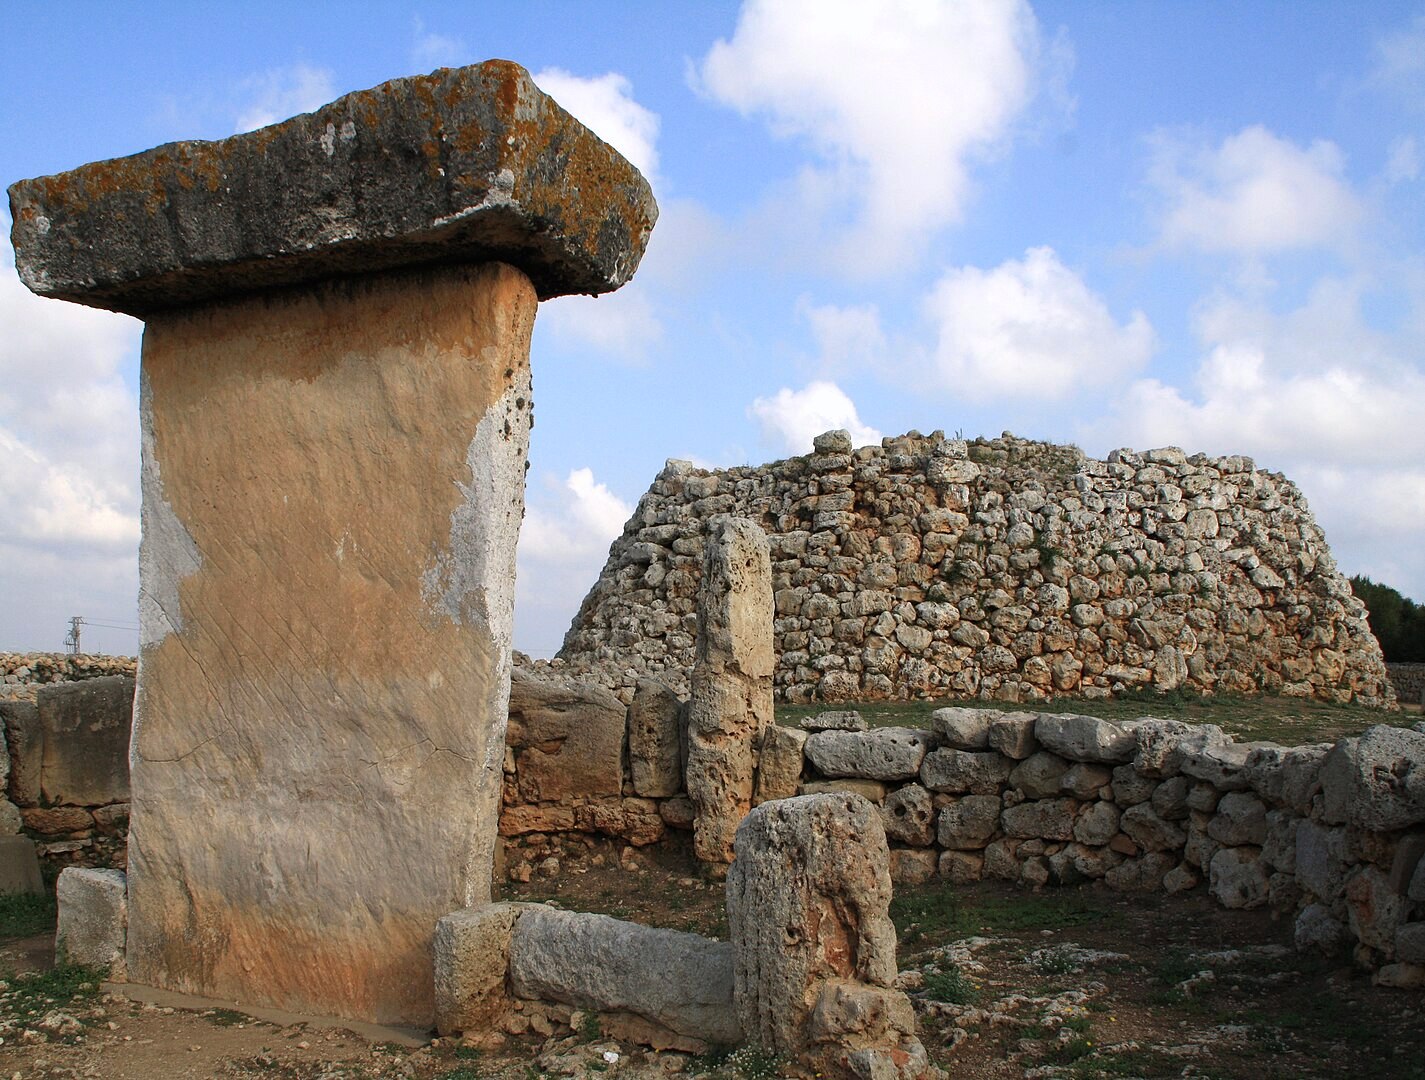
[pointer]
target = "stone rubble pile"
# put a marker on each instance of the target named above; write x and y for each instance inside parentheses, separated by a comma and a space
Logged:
(999, 569)
(22, 674)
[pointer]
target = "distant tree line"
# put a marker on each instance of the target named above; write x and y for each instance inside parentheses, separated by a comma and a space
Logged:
(1397, 622)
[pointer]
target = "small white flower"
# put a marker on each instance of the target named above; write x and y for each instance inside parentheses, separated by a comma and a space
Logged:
(611, 1057)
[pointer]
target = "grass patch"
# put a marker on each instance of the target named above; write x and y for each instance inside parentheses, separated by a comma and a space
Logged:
(930, 915)
(24, 915)
(226, 1017)
(34, 993)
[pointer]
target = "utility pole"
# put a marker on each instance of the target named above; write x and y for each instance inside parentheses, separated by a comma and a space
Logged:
(71, 643)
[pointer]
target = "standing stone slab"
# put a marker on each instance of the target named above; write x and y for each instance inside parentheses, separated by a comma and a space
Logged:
(808, 901)
(84, 741)
(655, 740)
(335, 401)
(93, 915)
(472, 960)
(731, 702)
(567, 737)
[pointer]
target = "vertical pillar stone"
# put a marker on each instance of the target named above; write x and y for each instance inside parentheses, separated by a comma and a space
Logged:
(730, 705)
(813, 945)
(336, 407)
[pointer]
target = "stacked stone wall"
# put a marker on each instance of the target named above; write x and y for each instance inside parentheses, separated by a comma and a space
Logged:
(999, 569)
(1408, 681)
(22, 674)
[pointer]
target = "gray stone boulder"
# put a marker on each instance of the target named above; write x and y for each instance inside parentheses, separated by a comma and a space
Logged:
(567, 736)
(1170, 798)
(841, 720)
(1322, 859)
(680, 982)
(1317, 928)
(655, 740)
(959, 772)
(472, 960)
(1151, 832)
(1085, 738)
(1039, 775)
(970, 823)
(1410, 943)
(1041, 819)
(883, 754)
(1084, 781)
(964, 728)
(1223, 765)
(1163, 744)
(93, 919)
(1374, 911)
(1241, 818)
(779, 763)
(1131, 787)
(1237, 878)
(1097, 825)
(472, 163)
(1013, 735)
(1142, 874)
(1376, 782)
(908, 816)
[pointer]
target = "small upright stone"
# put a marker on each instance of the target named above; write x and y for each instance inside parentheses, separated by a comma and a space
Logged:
(93, 919)
(655, 740)
(814, 962)
(731, 702)
(472, 959)
(838, 720)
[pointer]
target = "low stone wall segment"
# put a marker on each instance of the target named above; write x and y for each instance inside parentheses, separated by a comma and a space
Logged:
(1408, 681)
(999, 569)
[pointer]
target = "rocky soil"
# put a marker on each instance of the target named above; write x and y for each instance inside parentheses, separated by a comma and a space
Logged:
(1069, 983)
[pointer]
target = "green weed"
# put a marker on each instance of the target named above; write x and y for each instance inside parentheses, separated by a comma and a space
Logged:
(951, 987)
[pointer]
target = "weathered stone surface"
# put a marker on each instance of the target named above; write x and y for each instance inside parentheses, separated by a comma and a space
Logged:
(1237, 878)
(1374, 910)
(1038, 776)
(1170, 798)
(1131, 787)
(25, 743)
(958, 772)
(731, 702)
(808, 906)
(1013, 735)
(1083, 781)
(1279, 845)
(779, 763)
(1400, 976)
(912, 866)
(882, 754)
(808, 899)
(864, 1032)
(1223, 765)
(1162, 744)
(872, 791)
(1376, 782)
(320, 722)
(1142, 874)
(472, 960)
(1322, 859)
(1317, 928)
(1085, 738)
(93, 916)
(962, 867)
(681, 981)
(1410, 943)
(1041, 819)
(471, 164)
(843, 720)
(964, 728)
(908, 816)
(1149, 831)
(19, 867)
(655, 740)
(1241, 818)
(969, 823)
(1096, 825)
(567, 737)
(84, 740)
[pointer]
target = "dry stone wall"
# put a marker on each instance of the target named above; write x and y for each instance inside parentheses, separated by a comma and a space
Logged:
(1408, 681)
(999, 569)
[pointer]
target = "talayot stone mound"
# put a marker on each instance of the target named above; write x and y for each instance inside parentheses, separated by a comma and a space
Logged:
(1001, 569)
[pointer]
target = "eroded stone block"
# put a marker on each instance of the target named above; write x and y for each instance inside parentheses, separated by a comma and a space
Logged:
(472, 960)
(93, 917)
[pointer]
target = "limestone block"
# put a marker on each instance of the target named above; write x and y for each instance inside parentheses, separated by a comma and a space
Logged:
(1221, 765)
(872, 791)
(679, 981)
(93, 918)
(1317, 928)
(1374, 910)
(24, 740)
(1376, 782)
(1286, 775)
(19, 867)
(1162, 744)
(1279, 843)
(1096, 825)
(84, 757)
(1038, 776)
(1142, 874)
(1083, 780)
(1170, 798)
(333, 487)
(1085, 738)
(472, 959)
(1237, 878)
(963, 729)
(1041, 819)
(1013, 735)
(1410, 943)
(11, 820)
(779, 763)
(1400, 976)
(962, 867)
(808, 901)
(887, 754)
(912, 866)
(470, 164)
(908, 816)
(1179, 879)
(1151, 832)
(1241, 818)
(567, 737)
(731, 702)
(655, 740)
(859, 1031)
(958, 772)
(842, 720)
(969, 823)
(1322, 860)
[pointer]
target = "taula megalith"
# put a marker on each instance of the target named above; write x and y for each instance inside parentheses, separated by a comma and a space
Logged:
(335, 416)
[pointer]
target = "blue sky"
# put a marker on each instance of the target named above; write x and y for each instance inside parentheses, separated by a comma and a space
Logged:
(1127, 224)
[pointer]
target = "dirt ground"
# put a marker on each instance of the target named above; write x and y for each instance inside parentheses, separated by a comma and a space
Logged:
(1068, 983)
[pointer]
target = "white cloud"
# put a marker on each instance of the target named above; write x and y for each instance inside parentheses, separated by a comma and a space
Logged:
(69, 465)
(282, 93)
(564, 542)
(604, 104)
(895, 97)
(432, 50)
(1403, 160)
(847, 338)
(622, 324)
(793, 418)
(1254, 194)
(1029, 328)
(1400, 63)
